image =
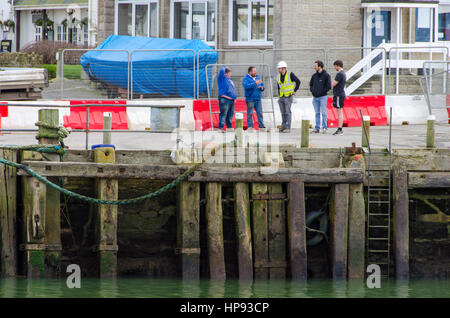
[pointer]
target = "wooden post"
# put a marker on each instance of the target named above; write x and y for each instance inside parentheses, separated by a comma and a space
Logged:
(401, 222)
(107, 125)
(214, 231)
(188, 227)
(430, 131)
(356, 232)
(53, 205)
(243, 231)
(239, 130)
(296, 230)
(8, 213)
(260, 232)
(277, 234)
(365, 139)
(33, 233)
(339, 230)
(106, 225)
(305, 133)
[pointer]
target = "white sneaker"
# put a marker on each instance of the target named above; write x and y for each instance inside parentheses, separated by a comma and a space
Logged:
(324, 131)
(250, 129)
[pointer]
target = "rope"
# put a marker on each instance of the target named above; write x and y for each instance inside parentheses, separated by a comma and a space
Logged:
(58, 132)
(150, 195)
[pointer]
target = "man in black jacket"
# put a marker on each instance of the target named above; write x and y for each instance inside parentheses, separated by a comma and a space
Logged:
(319, 85)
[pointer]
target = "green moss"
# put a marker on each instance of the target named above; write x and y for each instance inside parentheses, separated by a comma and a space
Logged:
(37, 261)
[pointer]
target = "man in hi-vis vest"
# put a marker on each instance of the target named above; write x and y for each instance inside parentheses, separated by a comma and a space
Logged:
(288, 85)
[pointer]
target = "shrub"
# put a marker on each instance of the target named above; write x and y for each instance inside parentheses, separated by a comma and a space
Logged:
(48, 50)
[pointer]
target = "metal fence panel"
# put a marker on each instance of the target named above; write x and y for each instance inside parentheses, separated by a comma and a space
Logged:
(105, 76)
(435, 85)
(299, 61)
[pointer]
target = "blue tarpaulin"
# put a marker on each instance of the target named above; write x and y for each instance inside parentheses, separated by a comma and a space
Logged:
(166, 73)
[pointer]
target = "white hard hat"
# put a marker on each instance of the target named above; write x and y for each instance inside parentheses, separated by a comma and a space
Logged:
(282, 64)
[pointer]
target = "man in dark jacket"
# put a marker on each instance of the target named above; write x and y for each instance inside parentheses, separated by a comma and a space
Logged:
(227, 96)
(253, 89)
(319, 85)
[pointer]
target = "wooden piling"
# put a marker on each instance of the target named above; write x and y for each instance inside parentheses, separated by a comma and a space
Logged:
(305, 133)
(106, 224)
(339, 230)
(188, 228)
(365, 140)
(296, 230)
(260, 233)
(277, 234)
(239, 130)
(430, 131)
(243, 230)
(356, 232)
(107, 125)
(214, 231)
(401, 222)
(8, 214)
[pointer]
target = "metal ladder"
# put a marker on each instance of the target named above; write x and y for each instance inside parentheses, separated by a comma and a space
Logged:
(378, 243)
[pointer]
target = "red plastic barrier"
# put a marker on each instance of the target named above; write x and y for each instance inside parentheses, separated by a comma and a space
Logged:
(373, 106)
(202, 116)
(3, 110)
(448, 107)
(77, 118)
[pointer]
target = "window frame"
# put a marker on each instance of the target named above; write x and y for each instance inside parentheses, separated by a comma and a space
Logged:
(249, 42)
(189, 24)
(133, 15)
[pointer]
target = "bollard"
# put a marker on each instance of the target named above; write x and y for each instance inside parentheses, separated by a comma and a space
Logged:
(365, 139)
(107, 124)
(239, 128)
(430, 131)
(305, 133)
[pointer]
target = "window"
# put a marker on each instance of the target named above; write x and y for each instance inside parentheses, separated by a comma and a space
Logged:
(424, 21)
(137, 17)
(444, 23)
(61, 33)
(194, 19)
(37, 33)
(251, 21)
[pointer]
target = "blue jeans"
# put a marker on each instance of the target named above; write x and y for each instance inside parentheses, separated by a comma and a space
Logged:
(259, 112)
(226, 107)
(320, 107)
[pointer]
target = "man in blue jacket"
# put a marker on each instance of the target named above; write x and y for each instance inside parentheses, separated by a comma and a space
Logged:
(227, 96)
(253, 89)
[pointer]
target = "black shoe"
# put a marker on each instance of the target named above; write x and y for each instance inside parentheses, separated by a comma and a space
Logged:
(315, 131)
(338, 132)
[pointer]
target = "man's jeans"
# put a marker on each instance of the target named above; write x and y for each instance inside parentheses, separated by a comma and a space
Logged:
(320, 107)
(259, 112)
(285, 109)
(226, 107)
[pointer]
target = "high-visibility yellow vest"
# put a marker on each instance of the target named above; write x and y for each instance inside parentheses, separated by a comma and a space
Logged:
(287, 87)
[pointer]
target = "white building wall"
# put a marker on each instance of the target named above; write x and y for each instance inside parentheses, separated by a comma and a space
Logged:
(6, 13)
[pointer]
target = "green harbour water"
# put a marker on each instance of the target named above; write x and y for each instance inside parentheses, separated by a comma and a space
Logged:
(157, 288)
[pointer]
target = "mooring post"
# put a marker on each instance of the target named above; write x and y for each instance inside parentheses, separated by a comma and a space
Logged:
(430, 131)
(188, 237)
(107, 125)
(214, 231)
(260, 233)
(243, 231)
(8, 213)
(106, 218)
(365, 139)
(401, 222)
(239, 130)
(53, 206)
(339, 230)
(356, 232)
(297, 230)
(305, 133)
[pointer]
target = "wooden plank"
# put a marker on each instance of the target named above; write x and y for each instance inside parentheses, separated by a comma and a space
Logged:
(401, 222)
(260, 232)
(339, 230)
(356, 232)
(214, 231)
(204, 174)
(296, 230)
(277, 234)
(8, 215)
(243, 230)
(106, 225)
(33, 222)
(188, 228)
(429, 179)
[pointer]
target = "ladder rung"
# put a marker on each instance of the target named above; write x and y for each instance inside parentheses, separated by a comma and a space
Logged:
(379, 189)
(378, 251)
(378, 239)
(379, 214)
(379, 165)
(379, 153)
(383, 202)
(379, 177)
(379, 226)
